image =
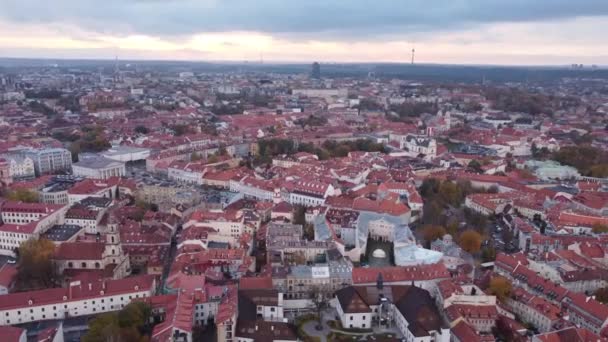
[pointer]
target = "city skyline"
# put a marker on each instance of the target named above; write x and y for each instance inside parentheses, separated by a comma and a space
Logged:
(498, 33)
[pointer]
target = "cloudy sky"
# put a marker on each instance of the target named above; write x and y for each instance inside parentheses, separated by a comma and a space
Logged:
(442, 31)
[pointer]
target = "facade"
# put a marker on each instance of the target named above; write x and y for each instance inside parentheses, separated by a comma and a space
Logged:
(78, 299)
(126, 154)
(50, 160)
(408, 308)
(98, 167)
(21, 166)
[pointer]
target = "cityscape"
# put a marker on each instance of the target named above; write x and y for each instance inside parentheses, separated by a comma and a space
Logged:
(282, 198)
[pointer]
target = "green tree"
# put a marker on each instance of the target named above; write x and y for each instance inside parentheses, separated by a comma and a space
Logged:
(601, 295)
(451, 193)
(475, 165)
(35, 269)
(132, 323)
(142, 129)
(488, 254)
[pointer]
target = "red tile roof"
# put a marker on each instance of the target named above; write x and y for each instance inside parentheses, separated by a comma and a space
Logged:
(400, 274)
(77, 292)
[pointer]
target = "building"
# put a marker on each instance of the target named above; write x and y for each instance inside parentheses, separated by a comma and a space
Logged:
(316, 71)
(408, 308)
(43, 215)
(98, 167)
(50, 160)
(416, 144)
(126, 154)
(78, 299)
(5, 173)
(535, 310)
(21, 166)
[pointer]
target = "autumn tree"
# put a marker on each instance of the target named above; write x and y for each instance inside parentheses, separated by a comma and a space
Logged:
(500, 287)
(470, 241)
(195, 157)
(600, 228)
(36, 269)
(431, 232)
(451, 193)
(22, 195)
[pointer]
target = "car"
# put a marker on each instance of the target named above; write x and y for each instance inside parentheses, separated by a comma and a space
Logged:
(11, 261)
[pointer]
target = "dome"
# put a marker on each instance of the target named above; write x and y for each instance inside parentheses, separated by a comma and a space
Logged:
(378, 253)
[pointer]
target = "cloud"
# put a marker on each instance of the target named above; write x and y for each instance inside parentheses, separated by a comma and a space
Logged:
(310, 19)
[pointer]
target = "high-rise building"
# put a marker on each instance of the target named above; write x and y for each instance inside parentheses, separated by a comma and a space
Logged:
(316, 71)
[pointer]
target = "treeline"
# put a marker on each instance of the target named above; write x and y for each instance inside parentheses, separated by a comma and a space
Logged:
(409, 110)
(588, 160)
(312, 120)
(47, 94)
(269, 148)
(93, 139)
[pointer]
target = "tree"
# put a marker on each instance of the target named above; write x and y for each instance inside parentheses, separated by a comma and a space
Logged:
(599, 171)
(500, 287)
(132, 323)
(22, 195)
(488, 254)
(195, 157)
(36, 269)
(470, 241)
(601, 295)
(212, 159)
(475, 165)
(600, 228)
(431, 232)
(451, 193)
(299, 215)
(142, 129)
(319, 303)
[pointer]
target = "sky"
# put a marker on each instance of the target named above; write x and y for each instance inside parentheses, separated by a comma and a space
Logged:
(506, 32)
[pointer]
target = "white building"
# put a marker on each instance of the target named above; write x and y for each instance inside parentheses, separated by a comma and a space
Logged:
(416, 144)
(23, 221)
(50, 160)
(126, 153)
(98, 167)
(20, 166)
(408, 308)
(78, 299)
